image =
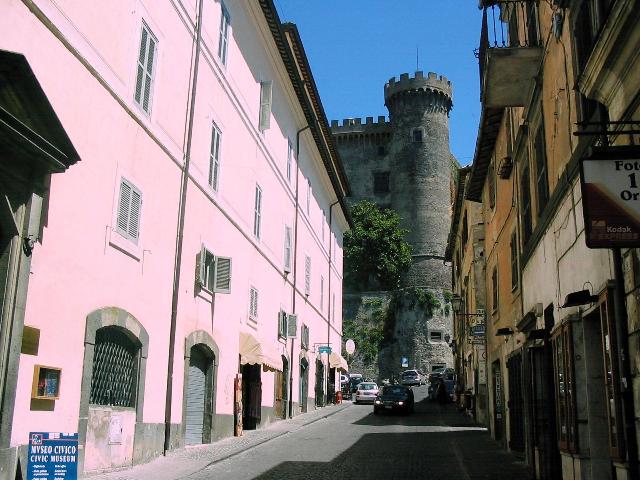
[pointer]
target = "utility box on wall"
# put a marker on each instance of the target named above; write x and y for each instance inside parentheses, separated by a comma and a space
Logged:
(46, 383)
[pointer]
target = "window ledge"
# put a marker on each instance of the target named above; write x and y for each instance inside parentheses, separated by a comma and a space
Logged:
(124, 245)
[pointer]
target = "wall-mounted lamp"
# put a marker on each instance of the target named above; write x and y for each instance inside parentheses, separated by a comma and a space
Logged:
(580, 297)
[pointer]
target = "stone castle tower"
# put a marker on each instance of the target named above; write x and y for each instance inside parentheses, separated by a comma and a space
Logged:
(405, 164)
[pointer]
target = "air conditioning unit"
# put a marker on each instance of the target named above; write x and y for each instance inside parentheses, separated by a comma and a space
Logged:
(292, 326)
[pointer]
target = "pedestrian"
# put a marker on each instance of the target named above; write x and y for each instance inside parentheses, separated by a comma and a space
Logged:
(441, 392)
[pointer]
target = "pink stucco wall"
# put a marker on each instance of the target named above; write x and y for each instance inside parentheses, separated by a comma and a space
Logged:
(82, 264)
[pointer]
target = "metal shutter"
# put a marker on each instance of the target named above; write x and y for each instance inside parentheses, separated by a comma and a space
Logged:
(195, 400)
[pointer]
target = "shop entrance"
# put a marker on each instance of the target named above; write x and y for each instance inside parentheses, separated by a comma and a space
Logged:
(319, 383)
(251, 396)
(304, 384)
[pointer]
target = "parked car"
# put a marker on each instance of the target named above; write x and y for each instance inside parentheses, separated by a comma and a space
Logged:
(411, 377)
(394, 398)
(366, 392)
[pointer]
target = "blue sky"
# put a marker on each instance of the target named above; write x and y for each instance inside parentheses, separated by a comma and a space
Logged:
(355, 46)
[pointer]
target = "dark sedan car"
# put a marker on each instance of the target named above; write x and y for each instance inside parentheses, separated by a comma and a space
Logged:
(394, 398)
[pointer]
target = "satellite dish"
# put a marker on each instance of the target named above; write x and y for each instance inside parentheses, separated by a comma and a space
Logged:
(350, 346)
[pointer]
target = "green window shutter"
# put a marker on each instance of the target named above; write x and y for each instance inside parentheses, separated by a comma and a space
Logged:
(222, 280)
(266, 90)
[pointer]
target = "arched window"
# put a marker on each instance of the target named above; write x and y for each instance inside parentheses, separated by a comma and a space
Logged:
(114, 376)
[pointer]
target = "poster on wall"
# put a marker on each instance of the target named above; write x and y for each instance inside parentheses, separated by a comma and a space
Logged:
(52, 456)
(610, 182)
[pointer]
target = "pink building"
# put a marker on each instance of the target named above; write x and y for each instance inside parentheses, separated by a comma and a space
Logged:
(171, 201)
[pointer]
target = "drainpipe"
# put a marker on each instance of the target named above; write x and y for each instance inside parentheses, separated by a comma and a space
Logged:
(329, 311)
(179, 238)
(295, 264)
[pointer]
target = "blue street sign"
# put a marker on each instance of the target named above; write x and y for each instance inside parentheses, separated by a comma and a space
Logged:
(52, 456)
(405, 362)
(324, 349)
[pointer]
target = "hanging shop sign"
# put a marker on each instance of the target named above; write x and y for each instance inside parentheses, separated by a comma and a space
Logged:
(478, 330)
(610, 181)
(52, 456)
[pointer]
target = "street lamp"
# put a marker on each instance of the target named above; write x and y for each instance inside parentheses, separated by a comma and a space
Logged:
(456, 303)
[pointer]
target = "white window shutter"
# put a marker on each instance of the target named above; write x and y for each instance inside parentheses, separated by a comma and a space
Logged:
(124, 204)
(307, 276)
(222, 281)
(134, 214)
(266, 90)
(201, 261)
(287, 249)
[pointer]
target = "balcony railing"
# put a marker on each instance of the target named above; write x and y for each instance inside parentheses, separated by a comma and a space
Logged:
(509, 53)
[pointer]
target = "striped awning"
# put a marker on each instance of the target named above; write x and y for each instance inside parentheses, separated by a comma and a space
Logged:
(338, 361)
(253, 352)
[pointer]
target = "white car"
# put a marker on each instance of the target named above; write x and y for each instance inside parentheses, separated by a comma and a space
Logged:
(366, 392)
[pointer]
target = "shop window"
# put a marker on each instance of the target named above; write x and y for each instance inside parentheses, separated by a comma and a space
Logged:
(563, 369)
(115, 369)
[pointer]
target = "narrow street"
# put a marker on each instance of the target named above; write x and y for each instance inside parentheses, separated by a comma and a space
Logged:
(435, 442)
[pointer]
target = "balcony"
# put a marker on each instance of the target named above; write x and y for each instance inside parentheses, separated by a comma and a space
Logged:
(509, 52)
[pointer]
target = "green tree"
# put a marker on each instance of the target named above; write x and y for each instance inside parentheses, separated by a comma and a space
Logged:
(376, 253)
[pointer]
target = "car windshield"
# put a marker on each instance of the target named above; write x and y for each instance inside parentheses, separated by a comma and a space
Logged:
(410, 373)
(393, 389)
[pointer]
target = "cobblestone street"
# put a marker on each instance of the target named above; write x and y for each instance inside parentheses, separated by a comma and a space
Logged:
(346, 442)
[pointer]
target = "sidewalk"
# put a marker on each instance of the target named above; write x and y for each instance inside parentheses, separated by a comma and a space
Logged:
(181, 463)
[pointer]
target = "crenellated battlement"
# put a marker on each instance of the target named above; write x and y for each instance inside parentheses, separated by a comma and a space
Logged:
(356, 125)
(432, 82)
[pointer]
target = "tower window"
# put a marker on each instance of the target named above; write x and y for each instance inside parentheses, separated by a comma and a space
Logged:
(417, 135)
(381, 182)
(381, 151)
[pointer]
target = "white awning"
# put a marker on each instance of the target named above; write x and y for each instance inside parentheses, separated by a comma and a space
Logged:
(338, 361)
(253, 352)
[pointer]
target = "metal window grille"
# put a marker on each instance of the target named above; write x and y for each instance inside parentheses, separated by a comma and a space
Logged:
(253, 303)
(115, 369)
(144, 76)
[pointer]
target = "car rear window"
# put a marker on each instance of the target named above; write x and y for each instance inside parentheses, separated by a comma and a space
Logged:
(410, 374)
(393, 389)
(367, 386)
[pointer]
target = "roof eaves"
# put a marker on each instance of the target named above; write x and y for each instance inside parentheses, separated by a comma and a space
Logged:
(488, 129)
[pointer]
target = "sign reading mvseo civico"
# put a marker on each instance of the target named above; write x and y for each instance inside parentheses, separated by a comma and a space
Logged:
(610, 180)
(52, 456)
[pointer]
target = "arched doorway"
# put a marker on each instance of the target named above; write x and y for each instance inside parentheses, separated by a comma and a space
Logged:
(319, 383)
(281, 389)
(199, 396)
(112, 392)
(304, 384)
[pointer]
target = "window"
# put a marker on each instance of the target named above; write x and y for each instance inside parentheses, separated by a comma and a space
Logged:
(565, 389)
(525, 194)
(514, 261)
(213, 273)
(223, 41)
(257, 212)
(321, 293)
(266, 89)
(589, 21)
(494, 290)
(417, 135)
(114, 375)
(435, 336)
(144, 74)
(438, 366)
(307, 275)
(282, 324)
(381, 151)
(542, 182)
(214, 158)
(129, 210)
(333, 308)
(465, 230)
(289, 159)
(491, 180)
(304, 337)
(612, 378)
(287, 248)
(253, 303)
(308, 196)
(381, 182)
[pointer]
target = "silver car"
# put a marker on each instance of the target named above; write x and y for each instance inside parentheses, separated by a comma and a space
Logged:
(366, 392)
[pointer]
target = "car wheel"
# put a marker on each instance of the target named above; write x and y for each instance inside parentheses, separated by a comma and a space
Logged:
(376, 411)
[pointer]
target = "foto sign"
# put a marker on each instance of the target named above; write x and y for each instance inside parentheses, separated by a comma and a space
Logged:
(52, 456)
(610, 181)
